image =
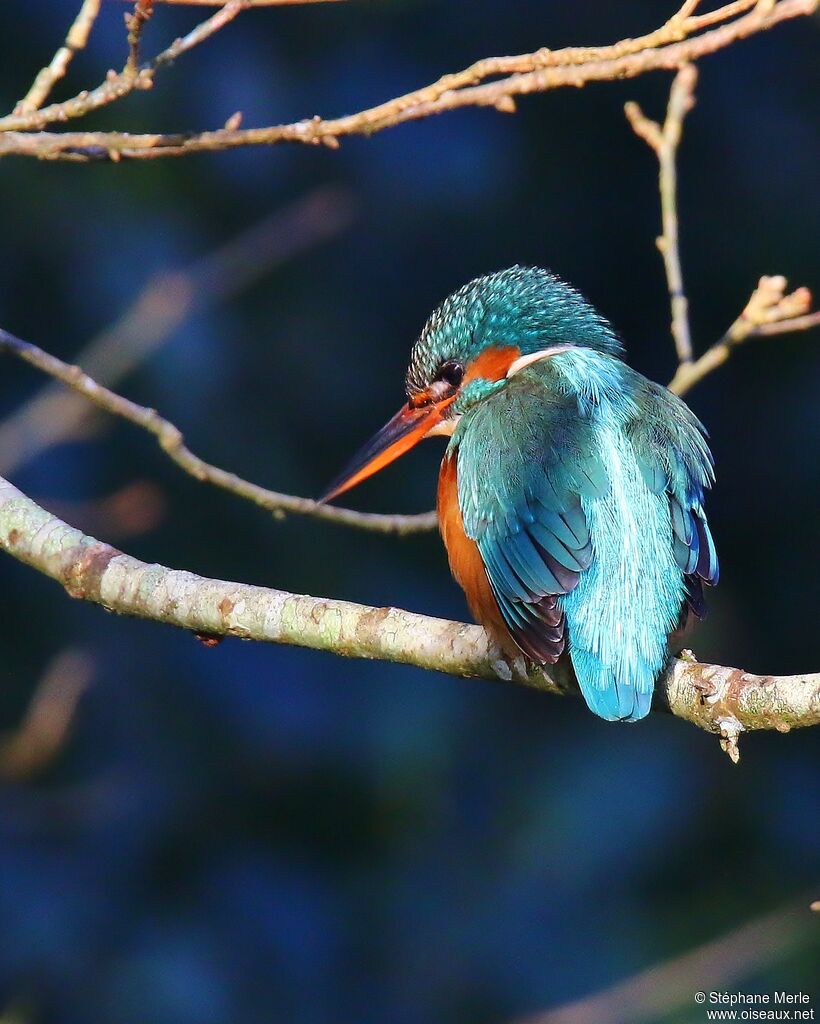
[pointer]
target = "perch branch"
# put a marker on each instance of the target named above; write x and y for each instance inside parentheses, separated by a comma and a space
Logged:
(668, 47)
(170, 439)
(665, 141)
(723, 701)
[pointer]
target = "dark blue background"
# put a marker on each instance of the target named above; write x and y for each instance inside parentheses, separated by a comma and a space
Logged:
(254, 834)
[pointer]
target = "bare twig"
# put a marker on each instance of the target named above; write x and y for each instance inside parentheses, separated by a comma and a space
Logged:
(132, 77)
(719, 965)
(48, 720)
(134, 24)
(668, 47)
(665, 141)
(167, 300)
(75, 40)
(723, 701)
(172, 443)
(203, 31)
(731, 10)
(769, 311)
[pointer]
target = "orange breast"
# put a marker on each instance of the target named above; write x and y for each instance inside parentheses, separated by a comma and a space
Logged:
(465, 559)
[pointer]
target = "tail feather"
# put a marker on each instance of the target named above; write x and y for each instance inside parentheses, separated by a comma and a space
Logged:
(617, 697)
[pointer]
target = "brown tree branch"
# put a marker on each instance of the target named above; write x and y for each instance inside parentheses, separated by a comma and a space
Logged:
(723, 701)
(769, 311)
(668, 47)
(75, 40)
(171, 440)
(132, 77)
(665, 141)
(135, 22)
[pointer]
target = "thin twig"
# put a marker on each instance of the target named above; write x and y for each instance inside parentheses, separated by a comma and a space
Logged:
(134, 24)
(171, 440)
(769, 311)
(731, 10)
(48, 720)
(656, 993)
(132, 76)
(665, 141)
(668, 47)
(75, 40)
(162, 306)
(200, 33)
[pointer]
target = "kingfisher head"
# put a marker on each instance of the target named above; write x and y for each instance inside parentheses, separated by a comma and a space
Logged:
(470, 346)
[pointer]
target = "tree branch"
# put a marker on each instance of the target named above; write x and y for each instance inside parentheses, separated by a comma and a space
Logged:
(768, 312)
(171, 440)
(656, 993)
(668, 47)
(723, 701)
(47, 723)
(75, 40)
(132, 76)
(166, 301)
(665, 141)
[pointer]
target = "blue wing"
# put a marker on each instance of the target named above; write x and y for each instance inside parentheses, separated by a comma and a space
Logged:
(525, 461)
(670, 443)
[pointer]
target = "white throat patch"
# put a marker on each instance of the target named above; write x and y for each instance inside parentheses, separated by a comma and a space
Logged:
(535, 357)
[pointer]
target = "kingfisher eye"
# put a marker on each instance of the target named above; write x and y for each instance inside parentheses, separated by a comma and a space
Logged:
(452, 372)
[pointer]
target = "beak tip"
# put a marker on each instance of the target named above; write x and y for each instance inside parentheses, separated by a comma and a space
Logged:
(332, 492)
(397, 436)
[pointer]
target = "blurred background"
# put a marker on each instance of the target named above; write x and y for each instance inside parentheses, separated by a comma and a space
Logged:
(252, 834)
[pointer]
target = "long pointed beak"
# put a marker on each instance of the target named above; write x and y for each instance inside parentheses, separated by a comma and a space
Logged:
(396, 437)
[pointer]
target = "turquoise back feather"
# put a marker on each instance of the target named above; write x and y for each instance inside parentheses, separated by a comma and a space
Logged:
(582, 484)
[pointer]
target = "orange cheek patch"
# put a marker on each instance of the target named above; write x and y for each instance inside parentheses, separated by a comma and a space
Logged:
(492, 363)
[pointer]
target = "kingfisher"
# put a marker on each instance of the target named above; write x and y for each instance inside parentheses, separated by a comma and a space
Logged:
(570, 494)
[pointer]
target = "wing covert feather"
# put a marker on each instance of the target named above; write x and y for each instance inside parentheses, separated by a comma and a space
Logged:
(525, 459)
